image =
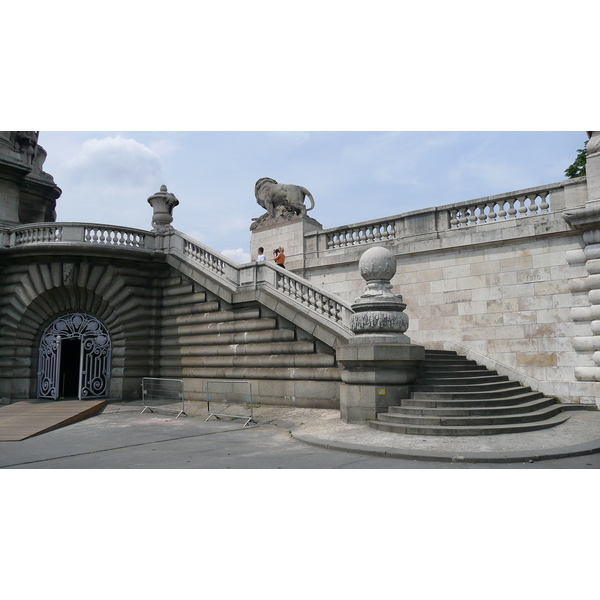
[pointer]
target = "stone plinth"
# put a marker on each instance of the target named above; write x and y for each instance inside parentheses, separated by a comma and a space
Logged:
(379, 363)
(289, 234)
(375, 377)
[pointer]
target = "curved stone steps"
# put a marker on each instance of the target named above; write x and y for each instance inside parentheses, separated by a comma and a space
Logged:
(471, 419)
(454, 397)
(523, 407)
(509, 395)
(468, 430)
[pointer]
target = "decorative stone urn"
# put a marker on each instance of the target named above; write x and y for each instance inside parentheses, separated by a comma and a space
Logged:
(163, 204)
(380, 362)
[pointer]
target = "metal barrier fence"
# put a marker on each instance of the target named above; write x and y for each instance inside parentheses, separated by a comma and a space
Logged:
(162, 394)
(235, 392)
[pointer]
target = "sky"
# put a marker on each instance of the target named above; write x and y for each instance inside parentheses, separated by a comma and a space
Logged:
(354, 176)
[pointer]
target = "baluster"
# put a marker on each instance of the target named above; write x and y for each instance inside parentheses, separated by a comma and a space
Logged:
(392, 231)
(481, 217)
(472, 216)
(544, 205)
(362, 236)
(491, 214)
(522, 207)
(501, 211)
(453, 218)
(533, 206)
(512, 211)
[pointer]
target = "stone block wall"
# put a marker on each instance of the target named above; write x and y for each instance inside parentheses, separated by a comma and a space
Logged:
(504, 292)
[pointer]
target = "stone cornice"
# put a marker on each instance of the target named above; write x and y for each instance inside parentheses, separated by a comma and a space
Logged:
(586, 217)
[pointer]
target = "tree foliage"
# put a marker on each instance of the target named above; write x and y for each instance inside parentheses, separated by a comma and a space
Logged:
(577, 169)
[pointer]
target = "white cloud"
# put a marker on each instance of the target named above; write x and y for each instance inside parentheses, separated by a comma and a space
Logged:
(115, 162)
(108, 181)
(239, 255)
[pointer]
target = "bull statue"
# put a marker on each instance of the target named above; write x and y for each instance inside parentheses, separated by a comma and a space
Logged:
(270, 194)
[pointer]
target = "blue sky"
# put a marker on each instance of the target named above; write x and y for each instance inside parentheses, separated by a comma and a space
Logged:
(107, 176)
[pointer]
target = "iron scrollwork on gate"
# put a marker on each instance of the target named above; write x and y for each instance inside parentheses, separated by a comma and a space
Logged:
(94, 368)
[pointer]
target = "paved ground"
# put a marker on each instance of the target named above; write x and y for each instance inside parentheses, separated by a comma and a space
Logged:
(287, 438)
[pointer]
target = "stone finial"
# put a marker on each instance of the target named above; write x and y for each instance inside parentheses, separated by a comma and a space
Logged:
(163, 204)
(379, 313)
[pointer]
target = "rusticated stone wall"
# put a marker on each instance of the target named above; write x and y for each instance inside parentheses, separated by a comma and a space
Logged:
(161, 324)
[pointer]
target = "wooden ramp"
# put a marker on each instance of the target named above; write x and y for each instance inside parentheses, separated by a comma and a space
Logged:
(25, 419)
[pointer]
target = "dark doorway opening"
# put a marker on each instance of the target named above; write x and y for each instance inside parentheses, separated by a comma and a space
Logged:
(70, 365)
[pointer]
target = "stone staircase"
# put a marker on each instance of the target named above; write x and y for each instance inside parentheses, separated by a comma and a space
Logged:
(454, 396)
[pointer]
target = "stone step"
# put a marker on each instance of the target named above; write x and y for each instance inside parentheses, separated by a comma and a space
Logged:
(265, 362)
(468, 430)
(219, 327)
(455, 388)
(448, 363)
(242, 337)
(255, 349)
(451, 411)
(454, 378)
(221, 316)
(471, 420)
(452, 371)
(513, 396)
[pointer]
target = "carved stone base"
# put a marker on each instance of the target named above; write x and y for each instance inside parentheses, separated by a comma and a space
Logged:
(375, 376)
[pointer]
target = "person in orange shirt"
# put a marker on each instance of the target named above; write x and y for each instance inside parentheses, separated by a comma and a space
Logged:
(279, 257)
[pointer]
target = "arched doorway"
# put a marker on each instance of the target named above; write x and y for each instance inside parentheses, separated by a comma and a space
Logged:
(74, 358)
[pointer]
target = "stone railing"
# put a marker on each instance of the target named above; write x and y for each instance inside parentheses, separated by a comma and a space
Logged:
(40, 234)
(366, 233)
(204, 256)
(526, 203)
(529, 202)
(84, 233)
(311, 298)
(116, 236)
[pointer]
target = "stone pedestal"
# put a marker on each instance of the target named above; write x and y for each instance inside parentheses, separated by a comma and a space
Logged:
(380, 363)
(290, 235)
(375, 377)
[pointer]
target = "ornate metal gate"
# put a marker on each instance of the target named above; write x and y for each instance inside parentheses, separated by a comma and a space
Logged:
(94, 359)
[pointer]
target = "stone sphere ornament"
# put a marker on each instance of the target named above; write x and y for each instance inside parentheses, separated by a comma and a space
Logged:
(379, 312)
(377, 264)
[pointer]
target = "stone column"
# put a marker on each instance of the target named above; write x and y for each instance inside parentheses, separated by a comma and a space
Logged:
(380, 362)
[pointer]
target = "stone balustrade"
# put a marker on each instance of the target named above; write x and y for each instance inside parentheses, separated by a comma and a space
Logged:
(41, 234)
(354, 235)
(85, 233)
(115, 236)
(312, 298)
(511, 206)
(527, 203)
